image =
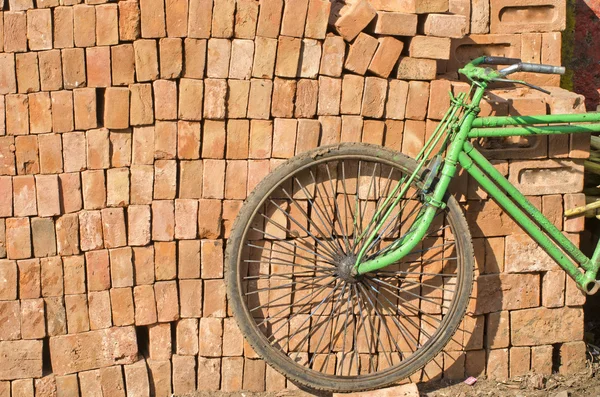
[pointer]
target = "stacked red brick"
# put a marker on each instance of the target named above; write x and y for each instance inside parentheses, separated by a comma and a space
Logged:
(130, 134)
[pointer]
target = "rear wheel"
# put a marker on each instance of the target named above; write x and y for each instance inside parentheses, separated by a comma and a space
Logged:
(290, 281)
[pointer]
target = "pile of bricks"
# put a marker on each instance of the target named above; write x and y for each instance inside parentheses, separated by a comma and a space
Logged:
(131, 133)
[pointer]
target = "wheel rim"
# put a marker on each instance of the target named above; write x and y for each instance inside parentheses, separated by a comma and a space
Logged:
(296, 281)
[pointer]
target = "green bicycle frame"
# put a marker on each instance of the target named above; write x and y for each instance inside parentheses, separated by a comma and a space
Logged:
(460, 151)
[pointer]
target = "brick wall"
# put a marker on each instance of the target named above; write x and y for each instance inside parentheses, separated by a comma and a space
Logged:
(131, 133)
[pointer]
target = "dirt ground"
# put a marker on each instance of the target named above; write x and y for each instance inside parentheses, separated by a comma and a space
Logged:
(586, 383)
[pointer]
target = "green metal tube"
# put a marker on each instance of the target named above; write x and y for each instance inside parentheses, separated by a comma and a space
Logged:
(502, 121)
(511, 208)
(524, 131)
(526, 205)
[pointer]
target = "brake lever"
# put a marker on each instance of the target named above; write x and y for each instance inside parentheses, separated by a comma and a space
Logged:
(535, 87)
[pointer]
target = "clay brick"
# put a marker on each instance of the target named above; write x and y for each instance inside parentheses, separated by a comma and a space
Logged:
(200, 19)
(100, 311)
(56, 319)
(17, 114)
(28, 79)
(269, 18)
(6, 196)
(8, 279)
(123, 64)
(507, 292)
(94, 189)
(525, 323)
(386, 56)
(84, 103)
(74, 271)
(308, 135)
(143, 146)
(188, 140)
(214, 298)
(84, 25)
(40, 119)
(143, 263)
(355, 19)
(146, 60)
(573, 358)
(352, 94)
(98, 66)
(18, 238)
(317, 18)
(190, 179)
(44, 239)
(160, 377)
(211, 330)
(212, 259)
(284, 137)
(553, 289)
(351, 128)
(507, 17)
(167, 301)
(116, 108)
(541, 359)
(98, 275)
(171, 58)
(77, 313)
(261, 135)
(145, 305)
(120, 348)
(107, 31)
(259, 104)
(397, 98)
(306, 98)
(209, 371)
(22, 359)
(187, 337)
(237, 99)
(33, 325)
(190, 298)
(284, 91)
(310, 58)
(73, 68)
(129, 20)
(294, 17)
(334, 51)
(184, 374)
(67, 234)
(90, 230)
(213, 179)
(117, 184)
(237, 139)
(265, 52)
(24, 196)
(90, 381)
(232, 370)
(574, 224)
(525, 255)
(329, 96)
(215, 96)
(429, 47)
(98, 149)
(374, 97)
(159, 341)
(136, 378)
(189, 259)
(222, 18)
(395, 24)
(62, 111)
(177, 18)
(232, 207)
(418, 98)
(10, 328)
(142, 109)
(209, 219)
(63, 27)
(242, 56)
(70, 191)
(165, 93)
(218, 58)
(165, 179)
(67, 386)
(497, 364)
(360, 54)
(190, 91)
(527, 176)
(111, 380)
(288, 56)
(15, 31)
(152, 18)
(8, 81)
(246, 19)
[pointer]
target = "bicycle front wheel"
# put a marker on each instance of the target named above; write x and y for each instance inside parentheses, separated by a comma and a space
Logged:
(290, 281)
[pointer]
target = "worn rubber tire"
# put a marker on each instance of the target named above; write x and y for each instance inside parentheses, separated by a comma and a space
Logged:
(281, 362)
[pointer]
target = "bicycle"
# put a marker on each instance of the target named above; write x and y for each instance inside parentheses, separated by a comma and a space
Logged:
(350, 267)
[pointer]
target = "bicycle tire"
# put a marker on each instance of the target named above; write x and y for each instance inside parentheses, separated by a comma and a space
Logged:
(276, 357)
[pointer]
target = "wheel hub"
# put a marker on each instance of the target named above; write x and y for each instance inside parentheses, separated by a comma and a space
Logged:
(346, 270)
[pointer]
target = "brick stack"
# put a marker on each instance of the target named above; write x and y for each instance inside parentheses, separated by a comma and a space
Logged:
(131, 133)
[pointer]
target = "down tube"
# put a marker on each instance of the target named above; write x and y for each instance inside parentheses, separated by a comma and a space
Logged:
(511, 208)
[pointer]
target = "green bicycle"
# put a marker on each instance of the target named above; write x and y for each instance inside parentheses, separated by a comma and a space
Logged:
(350, 267)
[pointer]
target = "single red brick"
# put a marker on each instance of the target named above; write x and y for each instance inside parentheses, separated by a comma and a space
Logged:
(186, 213)
(160, 377)
(29, 279)
(190, 298)
(355, 19)
(121, 149)
(6, 196)
(67, 234)
(429, 47)
(43, 237)
(195, 58)
(165, 179)
(138, 217)
(8, 80)
(165, 93)
(62, 111)
(33, 325)
(116, 108)
(63, 27)
(94, 189)
(7, 155)
(146, 60)
(188, 140)
(28, 276)
(129, 20)
(308, 135)
(113, 227)
(416, 69)
(386, 56)
(190, 179)
(231, 208)
(143, 145)
(188, 259)
(310, 60)
(237, 139)
(418, 98)
(15, 30)
(190, 94)
(396, 102)
(165, 264)
(200, 19)
(98, 273)
(360, 54)
(153, 18)
(232, 374)
(215, 95)
(107, 25)
(288, 56)
(374, 97)
(212, 331)
(142, 109)
(142, 181)
(284, 137)
(90, 230)
(98, 149)
(213, 179)
(171, 58)
(352, 127)
(218, 58)
(24, 195)
(84, 103)
(123, 64)
(167, 300)
(214, 298)
(414, 137)
(98, 66)
(317, 18)
(48, 199)
(212, 259)
(284, 91)
(10, 328)
(73, 67)
(209, 219)
(269, 18)
(214, 139)
(332, 61)
(145, 306)
(236, 180)
(242, 55)
(306, 98)
(52, 277)
(260, 99)
(28, 77)
(50, 70)
(74, 271)
(330, 91)
(159, 341)
(143, 263)
(70, 191)
(84, 25)
(222, 18)
(163, 214)
(265, 52)
(117, 185)
(177, 18)
(99, 309)
(246, 19)
(17, 114)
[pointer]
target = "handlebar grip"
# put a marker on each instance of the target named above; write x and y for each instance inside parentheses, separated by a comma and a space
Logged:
(547, 69)
(501, 61)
